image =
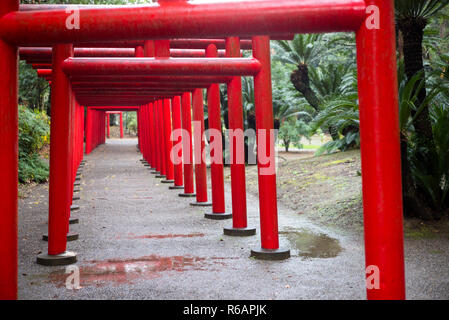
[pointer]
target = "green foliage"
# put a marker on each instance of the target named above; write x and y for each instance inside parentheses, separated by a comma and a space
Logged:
(34, 132)
(343, 114)
(304, 48)
(418, 8)
(291, 132)
(130, 121)
(287, 102)
(34, 92)
(408, 99)
(434, 184)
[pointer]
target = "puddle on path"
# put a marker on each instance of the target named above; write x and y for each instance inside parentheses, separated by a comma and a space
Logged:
(312, 245)
(118, 271)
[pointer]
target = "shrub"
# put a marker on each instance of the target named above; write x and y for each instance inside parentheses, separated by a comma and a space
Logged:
(34, 132)
(291, 132)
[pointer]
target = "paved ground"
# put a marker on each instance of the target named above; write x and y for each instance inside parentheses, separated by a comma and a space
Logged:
(139, 240)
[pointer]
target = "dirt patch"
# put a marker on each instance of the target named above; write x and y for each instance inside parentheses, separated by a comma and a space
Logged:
(325, 188)
(328, 189)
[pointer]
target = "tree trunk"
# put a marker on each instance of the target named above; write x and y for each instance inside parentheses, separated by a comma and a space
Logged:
(287, 145)
(301, 81)
(412, 30)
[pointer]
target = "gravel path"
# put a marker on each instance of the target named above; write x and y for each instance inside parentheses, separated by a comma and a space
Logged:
(139, 240)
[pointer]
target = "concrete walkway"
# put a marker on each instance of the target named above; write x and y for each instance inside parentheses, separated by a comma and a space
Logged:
(139, 240)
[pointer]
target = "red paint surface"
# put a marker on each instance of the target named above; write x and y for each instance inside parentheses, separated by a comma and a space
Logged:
(237, 152)
(183, 20)
(214, 118)
(60, 154)
(199, 146)
(187, 149)
(8, 163)
(380, 153)
(264, 121)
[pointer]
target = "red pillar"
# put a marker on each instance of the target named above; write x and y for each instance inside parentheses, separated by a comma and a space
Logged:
(170, 175)
(266, 156)
(216, 154)
(162, 51)
(82, 128)
(121, 125)
(89, 130)
(147, 134)
(138, 130)
(60, 162)
(380, 153)
(161, 140)
(156, 137)
(237, 150)
(144, 145)
(149, 51)
(151, 129)
(108, 122)
(103, 129)
(72, 168)
(199, 145)
(176, 120)
(187, 154)
(8, 163)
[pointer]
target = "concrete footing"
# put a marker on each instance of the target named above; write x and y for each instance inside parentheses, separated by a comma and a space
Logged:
(201, 204)
(270, 254)
(218, 216)
(176, 187)
(187, 195)
(75, 198)
(74, 207)
(160, 176)
(168, 181)
(74, 221)
(62, 259)
(70, 237)
(239, 232)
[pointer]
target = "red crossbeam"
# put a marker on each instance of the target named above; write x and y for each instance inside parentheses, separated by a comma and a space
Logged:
(246, 18)
(154, 66)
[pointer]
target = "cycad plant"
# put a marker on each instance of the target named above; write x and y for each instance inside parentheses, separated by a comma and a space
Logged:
(418, 147)
(303, 51)
(411, 19)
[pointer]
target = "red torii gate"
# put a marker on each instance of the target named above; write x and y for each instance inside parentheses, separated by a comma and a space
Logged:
(121, 122)
(377, 97)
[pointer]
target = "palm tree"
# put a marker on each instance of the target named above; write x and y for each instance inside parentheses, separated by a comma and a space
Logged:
(304, 50)
(412, 17)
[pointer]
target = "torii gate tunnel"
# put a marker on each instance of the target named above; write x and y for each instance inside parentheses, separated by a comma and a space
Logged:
(157, 64)
(108, 113)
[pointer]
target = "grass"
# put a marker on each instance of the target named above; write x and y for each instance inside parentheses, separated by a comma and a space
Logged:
(310, 146)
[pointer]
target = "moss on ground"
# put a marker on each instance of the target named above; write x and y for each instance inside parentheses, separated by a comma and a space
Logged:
(328, 189)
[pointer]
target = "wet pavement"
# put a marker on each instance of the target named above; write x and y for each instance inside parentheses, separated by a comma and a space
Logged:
(139, 240)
